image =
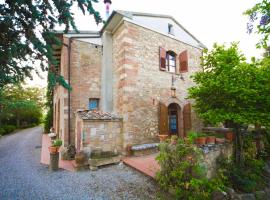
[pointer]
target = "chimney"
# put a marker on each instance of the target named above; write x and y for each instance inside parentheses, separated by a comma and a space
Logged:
(107, 3)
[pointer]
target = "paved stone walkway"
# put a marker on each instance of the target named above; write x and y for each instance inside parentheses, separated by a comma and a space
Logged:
(23, 177)
(145, 164)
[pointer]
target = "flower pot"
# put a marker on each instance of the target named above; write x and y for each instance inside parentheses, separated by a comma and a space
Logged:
(200, 141)
(162, 138)
(229, 136)
(220, 140)
(211, 140)
(53, 150)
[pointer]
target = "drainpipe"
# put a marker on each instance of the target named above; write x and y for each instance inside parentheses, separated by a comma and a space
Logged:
(69, 77)
(69, 124)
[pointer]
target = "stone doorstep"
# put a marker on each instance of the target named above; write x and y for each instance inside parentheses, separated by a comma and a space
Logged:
(95, 163)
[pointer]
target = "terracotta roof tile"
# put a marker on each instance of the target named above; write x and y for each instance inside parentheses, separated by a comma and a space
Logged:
(96, 115)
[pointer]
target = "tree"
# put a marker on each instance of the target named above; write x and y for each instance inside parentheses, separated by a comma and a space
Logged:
(231, 90)
(21, 104)
(26, 35)
(260, 14)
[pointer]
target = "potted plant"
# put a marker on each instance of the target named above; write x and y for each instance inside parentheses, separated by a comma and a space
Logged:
(220, 140)
(54, 148)
(162, 138)
(211, 139)
(201, 139)
(192, 136)
(229, 136)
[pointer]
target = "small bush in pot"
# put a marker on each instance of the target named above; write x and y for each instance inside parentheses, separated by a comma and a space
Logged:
(192, 135)
(54, 148)
(201, 139)
(211, 139)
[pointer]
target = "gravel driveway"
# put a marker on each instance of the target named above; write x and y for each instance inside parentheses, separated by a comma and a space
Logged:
(23, 177)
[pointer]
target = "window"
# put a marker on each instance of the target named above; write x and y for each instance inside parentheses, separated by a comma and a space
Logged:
(93, 104)
(171, 61)
(170, 29)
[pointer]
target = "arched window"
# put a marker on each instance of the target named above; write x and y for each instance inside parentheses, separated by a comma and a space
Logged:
(171, 61)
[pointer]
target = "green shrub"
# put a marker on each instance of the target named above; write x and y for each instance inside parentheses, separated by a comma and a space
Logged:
(192, 135)
(57, 143)
(2, 131)
(8, 128)
(182, 172)
(266, 141)
(48, 121)
(243, 178)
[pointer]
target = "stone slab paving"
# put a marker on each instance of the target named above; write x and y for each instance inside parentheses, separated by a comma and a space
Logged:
(22, 176)
(145, 164)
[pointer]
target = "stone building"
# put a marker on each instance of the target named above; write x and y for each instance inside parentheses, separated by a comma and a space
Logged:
(129, 82)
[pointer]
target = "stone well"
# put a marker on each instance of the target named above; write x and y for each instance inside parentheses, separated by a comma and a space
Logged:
(96, 130)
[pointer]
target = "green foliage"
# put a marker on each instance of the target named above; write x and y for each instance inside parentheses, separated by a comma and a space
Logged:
(48, 121)
(260, 16)
(26, 38)
(57, 143)
(2, 131)
(266, 141)
(183, 173)
(6, 129)
(229, 89)
(192, 135)
(249, 147)
(19, 104)
(245, 178)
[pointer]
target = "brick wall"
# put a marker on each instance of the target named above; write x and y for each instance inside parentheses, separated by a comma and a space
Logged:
(85, 82)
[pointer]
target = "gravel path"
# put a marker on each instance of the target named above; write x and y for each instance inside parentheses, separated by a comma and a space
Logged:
(23, 177)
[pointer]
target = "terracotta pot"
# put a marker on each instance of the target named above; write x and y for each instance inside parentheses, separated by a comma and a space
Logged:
(200, 141)
(162, 138)
(220, 140)
(53, 150)
(211, 140)
(229, 136)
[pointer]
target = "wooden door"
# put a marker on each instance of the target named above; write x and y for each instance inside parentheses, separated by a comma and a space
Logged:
(163, 119)
(187, 118)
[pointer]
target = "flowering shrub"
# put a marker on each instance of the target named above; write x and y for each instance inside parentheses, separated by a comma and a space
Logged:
(182, 172)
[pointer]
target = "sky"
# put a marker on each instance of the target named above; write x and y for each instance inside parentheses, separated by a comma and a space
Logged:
(211, 21)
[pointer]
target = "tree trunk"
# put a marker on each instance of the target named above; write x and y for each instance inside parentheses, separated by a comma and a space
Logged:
(258, 139)
(238, 145)
(18, 122)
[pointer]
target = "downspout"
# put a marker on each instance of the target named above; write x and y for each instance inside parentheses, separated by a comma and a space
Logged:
(69, 124)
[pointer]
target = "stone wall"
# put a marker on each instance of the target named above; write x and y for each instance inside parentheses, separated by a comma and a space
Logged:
(85, 82)
(105, 135)
(139, 84)
(211, 155)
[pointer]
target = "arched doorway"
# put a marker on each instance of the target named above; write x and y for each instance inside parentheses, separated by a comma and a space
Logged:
(174, 119)
(170, 119)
